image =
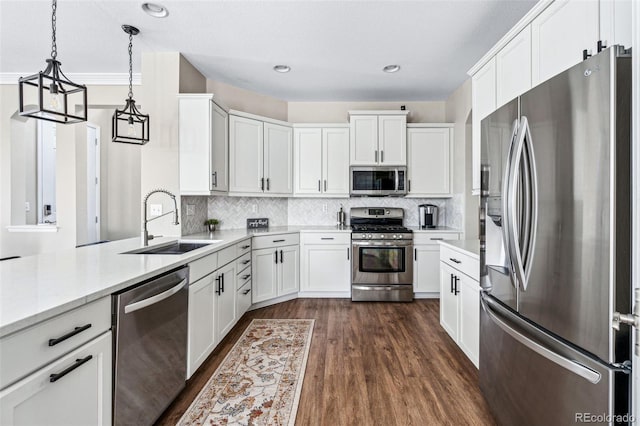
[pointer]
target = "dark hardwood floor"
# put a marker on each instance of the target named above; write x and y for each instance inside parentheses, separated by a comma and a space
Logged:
(369, 364)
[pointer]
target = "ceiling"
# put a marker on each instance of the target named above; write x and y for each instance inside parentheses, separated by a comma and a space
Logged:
(336, 49)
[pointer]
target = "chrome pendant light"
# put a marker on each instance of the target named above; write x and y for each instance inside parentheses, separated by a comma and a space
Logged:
(129, 125)
(56, 94)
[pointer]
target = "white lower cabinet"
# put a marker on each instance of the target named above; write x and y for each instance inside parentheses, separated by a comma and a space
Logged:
(201, 322)
(276, 266)
(225, 300)
(325, 265)
(426, 261)
(73, 390)
(460, 300)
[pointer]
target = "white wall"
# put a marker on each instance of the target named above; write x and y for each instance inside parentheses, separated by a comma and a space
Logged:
(338, 112)
(247, 101)
(458, 111)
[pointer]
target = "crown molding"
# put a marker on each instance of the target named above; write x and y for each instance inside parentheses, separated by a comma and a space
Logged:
(88, 79)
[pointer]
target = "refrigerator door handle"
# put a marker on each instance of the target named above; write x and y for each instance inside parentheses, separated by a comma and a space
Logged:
(532, 201)
(573, 366)
(505, 200)
(512, 221)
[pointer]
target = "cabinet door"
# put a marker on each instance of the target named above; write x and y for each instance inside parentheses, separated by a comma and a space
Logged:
(513, 68)
(363, 131)
(469, 338)
(560, 34)
(81, 397)
(392, 140)
(429, 161)
(616, 22)
(278, 159)
(335, 161)
(219, 149)
(201, 322)
(245, 155)
(426, 268)
(225, 300)
(288, 268)
(195, 145)
(448, 301)
(264, 280)
(483, 100)
(325, 268)
(308, 161)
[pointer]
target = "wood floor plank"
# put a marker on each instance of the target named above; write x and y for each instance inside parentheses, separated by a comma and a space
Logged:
(369, 364)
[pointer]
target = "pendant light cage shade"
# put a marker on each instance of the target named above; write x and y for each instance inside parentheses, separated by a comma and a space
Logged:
(129, 125)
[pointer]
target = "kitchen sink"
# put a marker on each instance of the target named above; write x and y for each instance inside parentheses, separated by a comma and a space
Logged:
(175, 247)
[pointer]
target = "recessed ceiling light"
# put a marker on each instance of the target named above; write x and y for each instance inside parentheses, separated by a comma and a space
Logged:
(282, 68)
(391, 68)
(156, 10)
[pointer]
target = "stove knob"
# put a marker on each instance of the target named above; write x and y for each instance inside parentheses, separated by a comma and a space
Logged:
(399, 235)
(369, 236)
(394, 236)
(381, 236)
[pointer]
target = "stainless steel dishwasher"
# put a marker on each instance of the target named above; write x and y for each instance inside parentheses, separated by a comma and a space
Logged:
(150, 347)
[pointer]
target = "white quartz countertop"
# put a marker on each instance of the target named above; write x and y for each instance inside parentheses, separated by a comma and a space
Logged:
(36, 288)
(436, 229)
(470, 247)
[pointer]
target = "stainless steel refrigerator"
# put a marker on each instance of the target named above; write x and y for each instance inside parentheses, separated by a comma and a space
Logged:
(555, 233)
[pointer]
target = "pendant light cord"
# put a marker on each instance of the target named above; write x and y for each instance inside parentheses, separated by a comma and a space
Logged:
(54, 46)
(130, 66)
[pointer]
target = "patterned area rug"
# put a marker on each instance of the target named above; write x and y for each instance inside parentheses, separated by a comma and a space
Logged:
(260, 380)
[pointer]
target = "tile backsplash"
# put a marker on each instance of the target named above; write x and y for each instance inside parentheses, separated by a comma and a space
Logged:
(233, 212)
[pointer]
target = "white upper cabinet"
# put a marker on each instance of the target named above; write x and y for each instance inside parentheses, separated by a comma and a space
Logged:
(559, 35)
(615, 22)
(321, 166)
(245, 155)
(483, 101)
(260, 157)
(430, 166)
(378, 138)
(204, 143)
(513, 68)
(278, 159)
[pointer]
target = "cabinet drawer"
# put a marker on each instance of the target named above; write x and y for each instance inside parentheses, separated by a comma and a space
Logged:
(203, 266)
(243, 299)
(243, 262)
(433, 237)
(243, 278)
(277, 240)
(328, 238)
(460, 261)
(226, 255)
(29, 349)
(243, 247)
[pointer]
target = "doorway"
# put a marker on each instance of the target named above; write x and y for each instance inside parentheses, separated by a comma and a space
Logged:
(93, 183)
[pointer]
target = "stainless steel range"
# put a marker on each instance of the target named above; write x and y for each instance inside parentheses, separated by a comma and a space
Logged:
(382, 267)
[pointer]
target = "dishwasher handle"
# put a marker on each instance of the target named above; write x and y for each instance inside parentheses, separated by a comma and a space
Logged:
(132, 307)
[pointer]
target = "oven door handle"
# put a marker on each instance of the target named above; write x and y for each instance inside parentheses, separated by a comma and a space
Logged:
(375, 287)
(394, 243)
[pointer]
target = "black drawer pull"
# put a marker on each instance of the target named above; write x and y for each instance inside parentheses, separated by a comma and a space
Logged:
(246, 276)
(455, 260)
(438, 238)
(60, 375)
(326, 238)
(278, 241)
(77, 330)
(246, 261)
(246, 292)
(245, 247)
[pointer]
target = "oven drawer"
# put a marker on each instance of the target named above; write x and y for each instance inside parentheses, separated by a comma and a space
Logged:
(460, 261)
(277, 240)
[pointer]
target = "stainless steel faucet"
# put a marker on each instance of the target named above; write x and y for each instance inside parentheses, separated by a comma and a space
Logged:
(145, 234)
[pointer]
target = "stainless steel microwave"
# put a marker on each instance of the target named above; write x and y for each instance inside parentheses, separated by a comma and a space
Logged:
(378, 181)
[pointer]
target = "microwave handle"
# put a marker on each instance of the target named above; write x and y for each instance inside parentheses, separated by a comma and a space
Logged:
(397, 179)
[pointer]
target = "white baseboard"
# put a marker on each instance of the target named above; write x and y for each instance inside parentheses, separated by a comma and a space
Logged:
(325, 294)
(270, 302)
(425, 295)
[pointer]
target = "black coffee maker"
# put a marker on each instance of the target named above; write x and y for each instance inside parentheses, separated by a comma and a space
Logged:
(428, 216)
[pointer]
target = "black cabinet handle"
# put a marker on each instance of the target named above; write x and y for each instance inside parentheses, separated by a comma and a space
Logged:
(219, 290)
(451, 282)
(245, 247)
(381, 156)
(436, 238)
(455, 287)
(409, 183)
(455, 260)
(415, 254)
(601, 46)
(278, 241)
(319, 190)
(246, 292)
(276, 253)
(348, 253)
(77, 330)
(326, 238)
(585, 55)
(268, 189)
(246, 276)
(262, 184)
(325, 185)
(57, 376)
(281, 258)
(222, 282)
(246, 261)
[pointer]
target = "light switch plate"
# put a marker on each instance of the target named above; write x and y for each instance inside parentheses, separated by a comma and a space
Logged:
(155, 209)
(191, 209)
